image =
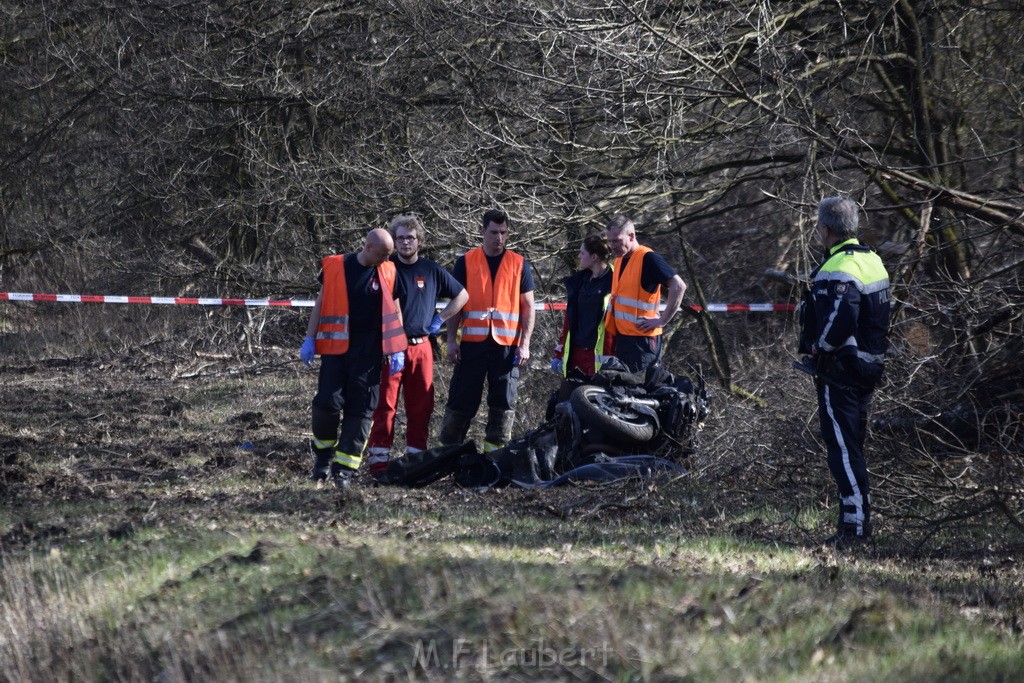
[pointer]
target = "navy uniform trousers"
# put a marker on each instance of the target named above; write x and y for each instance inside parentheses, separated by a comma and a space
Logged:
(843, 414)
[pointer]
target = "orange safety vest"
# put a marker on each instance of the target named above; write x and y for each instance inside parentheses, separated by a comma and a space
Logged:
(493, 306)
(630, 302)
(332, 332)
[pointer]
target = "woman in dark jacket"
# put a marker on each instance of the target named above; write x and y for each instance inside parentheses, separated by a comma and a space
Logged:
(583, 343)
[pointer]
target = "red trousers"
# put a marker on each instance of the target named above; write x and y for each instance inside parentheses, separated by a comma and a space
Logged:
(417, 377)
(581, 358)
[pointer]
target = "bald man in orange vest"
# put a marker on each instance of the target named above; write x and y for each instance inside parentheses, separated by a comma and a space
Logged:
(356, 323)
(634, 315)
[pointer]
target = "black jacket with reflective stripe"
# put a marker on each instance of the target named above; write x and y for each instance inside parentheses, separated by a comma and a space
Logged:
(848, 311)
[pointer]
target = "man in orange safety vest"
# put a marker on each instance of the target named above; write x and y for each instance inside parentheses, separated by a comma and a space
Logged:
(495, 326)
(634, 315)
(355, 324)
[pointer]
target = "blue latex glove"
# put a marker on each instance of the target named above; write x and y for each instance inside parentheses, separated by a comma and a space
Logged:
(435, 324)
(397, 362)
(556, 365)
(308, 350)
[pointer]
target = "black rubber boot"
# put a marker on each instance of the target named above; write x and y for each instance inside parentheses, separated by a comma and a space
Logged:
(454, 427)
(322, 458)
(341, 476)
(499, 428)
(846, 539)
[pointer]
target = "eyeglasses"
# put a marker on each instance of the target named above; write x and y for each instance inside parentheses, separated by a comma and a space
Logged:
(406, 238)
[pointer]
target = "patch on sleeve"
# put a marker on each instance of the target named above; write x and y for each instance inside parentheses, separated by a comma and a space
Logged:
(842, 287)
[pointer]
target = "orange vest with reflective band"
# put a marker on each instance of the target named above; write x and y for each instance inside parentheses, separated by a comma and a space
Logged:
(493, 307)
(630, 302)
(393, 337)
(332, 332)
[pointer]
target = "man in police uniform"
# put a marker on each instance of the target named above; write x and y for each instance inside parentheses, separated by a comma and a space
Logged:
(844, 326)
(639, 275)
(496, 325)
(424, 281)
(356, 322)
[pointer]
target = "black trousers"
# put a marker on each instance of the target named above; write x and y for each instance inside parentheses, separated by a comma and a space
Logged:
(638, 353)
(347, 391)
(843, 414)
(484, 361)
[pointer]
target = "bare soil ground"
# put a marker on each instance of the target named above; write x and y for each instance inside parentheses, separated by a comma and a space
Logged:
(161, 431)
(167, 437)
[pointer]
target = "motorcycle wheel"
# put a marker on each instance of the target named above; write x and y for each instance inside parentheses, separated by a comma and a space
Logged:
(596, 408)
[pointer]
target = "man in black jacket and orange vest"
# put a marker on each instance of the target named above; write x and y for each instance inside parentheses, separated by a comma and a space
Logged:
(356, 321)
(496, 325)
(637, 280)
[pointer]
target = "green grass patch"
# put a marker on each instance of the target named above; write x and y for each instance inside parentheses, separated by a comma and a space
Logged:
(366, 588)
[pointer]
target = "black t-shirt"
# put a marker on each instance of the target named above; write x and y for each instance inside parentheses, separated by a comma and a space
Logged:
(423, 282)
(584, 298)
(654, 271)
(364, 304)
(525, 282)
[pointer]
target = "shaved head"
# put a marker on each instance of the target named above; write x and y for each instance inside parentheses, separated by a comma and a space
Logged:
(377, 248)
(379, 237)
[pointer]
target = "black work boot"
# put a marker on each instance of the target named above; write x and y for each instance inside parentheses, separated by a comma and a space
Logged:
(848, 531)
(342, 476)
(498, 431)
(321, 462)
(454, 427)
(845, 539)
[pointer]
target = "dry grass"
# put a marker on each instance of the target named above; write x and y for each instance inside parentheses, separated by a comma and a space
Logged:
(140, 543)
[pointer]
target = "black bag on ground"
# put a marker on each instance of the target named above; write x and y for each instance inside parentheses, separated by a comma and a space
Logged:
(530, 458)
(475, 470)
(513, 462)
(421, 469)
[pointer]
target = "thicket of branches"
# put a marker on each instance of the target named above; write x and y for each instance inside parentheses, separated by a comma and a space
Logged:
(175, 146)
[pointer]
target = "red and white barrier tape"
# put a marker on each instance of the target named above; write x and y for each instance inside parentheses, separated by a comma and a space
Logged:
(745, 308)
(198, 301)
(179, 300)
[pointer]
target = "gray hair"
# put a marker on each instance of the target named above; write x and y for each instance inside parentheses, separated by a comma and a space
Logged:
(620, 222)
(839, 215)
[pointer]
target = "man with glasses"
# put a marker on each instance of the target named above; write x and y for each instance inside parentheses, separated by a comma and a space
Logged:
(424, 281)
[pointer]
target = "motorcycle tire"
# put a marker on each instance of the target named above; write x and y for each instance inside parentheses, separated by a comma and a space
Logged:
(596, 408)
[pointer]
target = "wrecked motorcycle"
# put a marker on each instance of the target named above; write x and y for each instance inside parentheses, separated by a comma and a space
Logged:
(621, 413)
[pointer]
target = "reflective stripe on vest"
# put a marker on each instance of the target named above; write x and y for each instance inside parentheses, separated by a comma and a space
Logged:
(630, 303)
(332, 332)
(493, 306)
(393, 337)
